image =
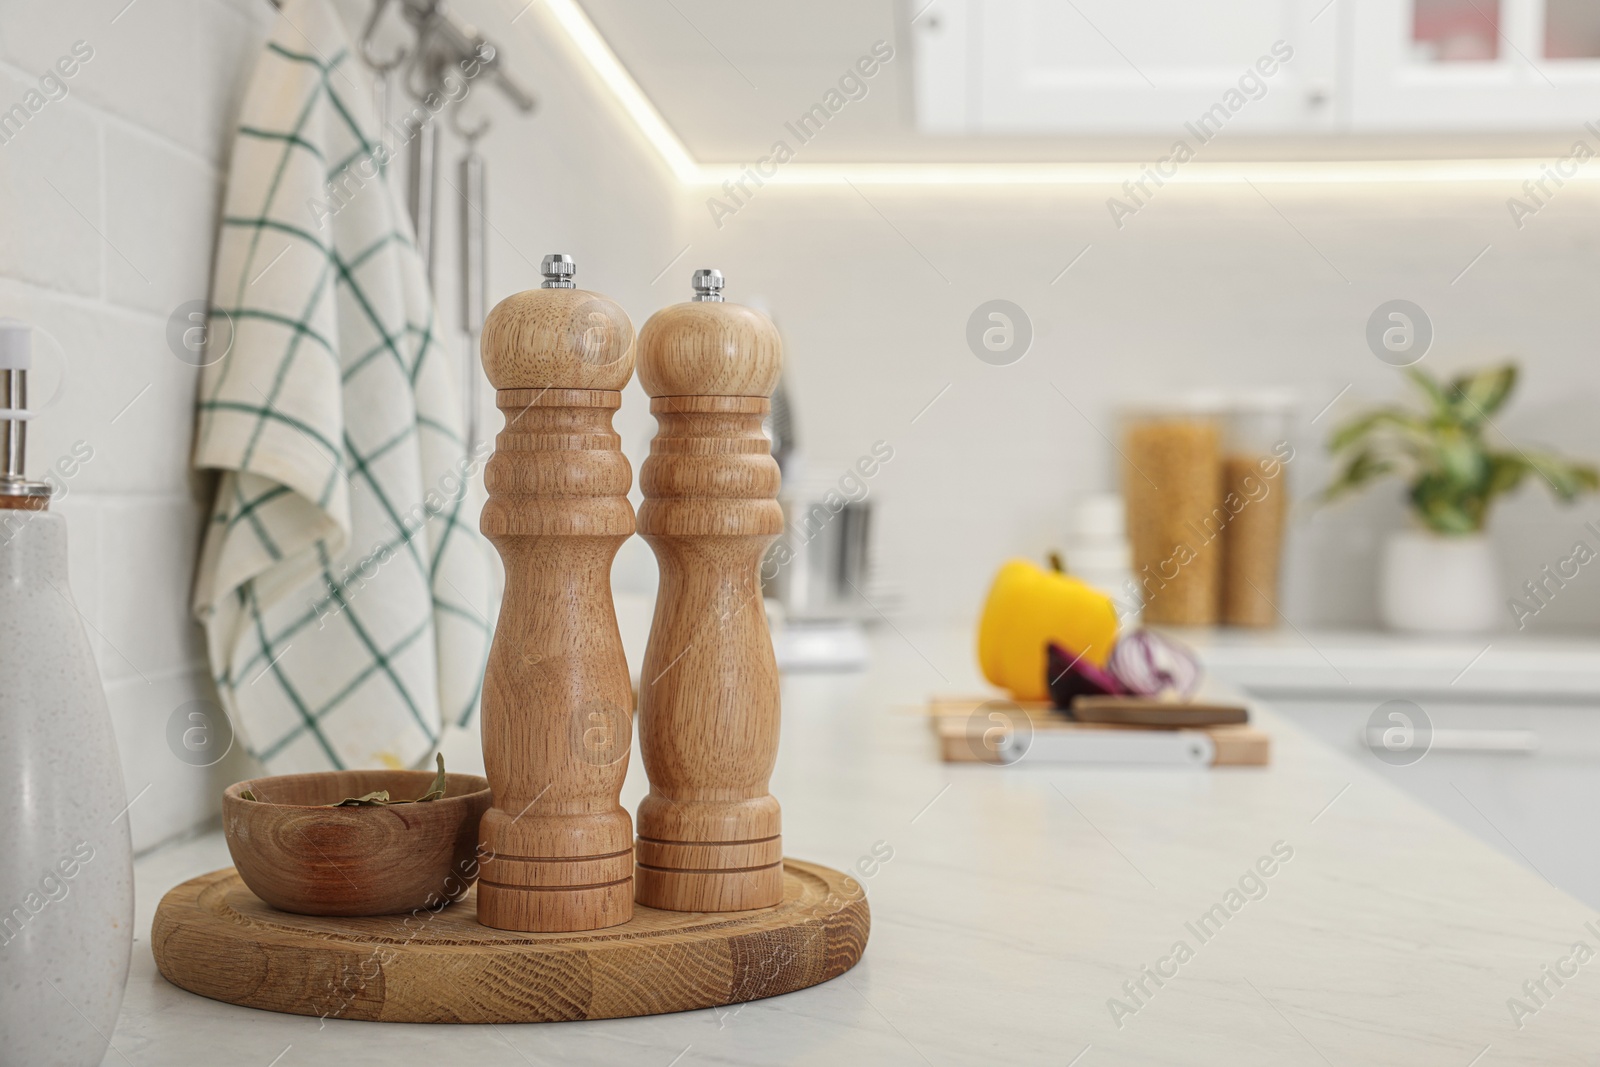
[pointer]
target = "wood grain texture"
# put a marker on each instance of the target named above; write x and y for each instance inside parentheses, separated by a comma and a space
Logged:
(960, 734)
(557, 339)
(709, 830)
(557, 700)
(213, 937)
(709, 349)
(1140, 711)
(315, 860)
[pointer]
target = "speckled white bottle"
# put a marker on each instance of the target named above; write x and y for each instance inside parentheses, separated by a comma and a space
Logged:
(66, 866)
(66, 877)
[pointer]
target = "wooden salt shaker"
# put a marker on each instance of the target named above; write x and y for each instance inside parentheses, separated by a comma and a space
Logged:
(557, 698)
(709, 831)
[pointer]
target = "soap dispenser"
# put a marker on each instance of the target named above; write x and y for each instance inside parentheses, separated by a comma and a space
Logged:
(66, 867)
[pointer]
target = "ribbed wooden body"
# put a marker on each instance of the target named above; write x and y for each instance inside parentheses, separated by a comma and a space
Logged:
(557, 699)
(709, 832)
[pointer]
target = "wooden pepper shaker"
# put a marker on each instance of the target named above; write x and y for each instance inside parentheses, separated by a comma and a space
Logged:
(557, 699)
(709, 831)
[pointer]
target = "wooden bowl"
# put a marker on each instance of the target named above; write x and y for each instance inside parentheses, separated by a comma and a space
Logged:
(299, 857)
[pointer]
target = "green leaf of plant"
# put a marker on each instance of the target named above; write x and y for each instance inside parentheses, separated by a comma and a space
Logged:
(1438, 399)
(1455, 477)
(1461, 456)
(245, 794)
(1362, 468)
(1506, 471)
(1362, 426)
(1479, 395)
(1443, 509)
(1567, 479)
(1454, 521)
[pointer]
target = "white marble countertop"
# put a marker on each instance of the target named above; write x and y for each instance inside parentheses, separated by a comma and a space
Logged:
(1020, 900)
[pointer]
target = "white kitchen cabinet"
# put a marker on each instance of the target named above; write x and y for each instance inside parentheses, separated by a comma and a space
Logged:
(1514, 756)
(1149, 67)
(1538, 807)
(1099, 66)
(1473, 65)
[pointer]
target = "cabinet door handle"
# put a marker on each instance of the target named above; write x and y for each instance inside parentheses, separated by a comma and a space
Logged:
(1511, 742)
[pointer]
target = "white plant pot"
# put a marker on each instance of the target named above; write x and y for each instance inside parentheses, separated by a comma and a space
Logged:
(1436, 584)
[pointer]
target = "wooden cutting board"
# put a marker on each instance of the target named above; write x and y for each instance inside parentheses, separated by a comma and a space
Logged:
(964, 731)
(212, 936)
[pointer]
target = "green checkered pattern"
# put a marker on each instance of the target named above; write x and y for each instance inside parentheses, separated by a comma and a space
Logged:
(343, 584)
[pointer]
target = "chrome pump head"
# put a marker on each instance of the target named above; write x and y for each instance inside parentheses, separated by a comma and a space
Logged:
(16, 358)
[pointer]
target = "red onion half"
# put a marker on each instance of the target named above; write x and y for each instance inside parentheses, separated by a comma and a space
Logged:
(1148, 664)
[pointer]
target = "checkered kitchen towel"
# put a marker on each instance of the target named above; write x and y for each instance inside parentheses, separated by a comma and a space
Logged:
(342, 584)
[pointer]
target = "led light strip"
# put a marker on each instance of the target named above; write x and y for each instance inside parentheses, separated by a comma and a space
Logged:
(592, 48)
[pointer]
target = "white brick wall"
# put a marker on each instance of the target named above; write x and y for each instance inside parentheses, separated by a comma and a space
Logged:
(108, 205)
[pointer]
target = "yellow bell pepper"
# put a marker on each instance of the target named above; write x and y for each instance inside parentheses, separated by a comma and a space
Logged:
(1028, 607)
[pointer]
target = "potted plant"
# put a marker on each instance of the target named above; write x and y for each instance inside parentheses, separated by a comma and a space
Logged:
(1440, 575)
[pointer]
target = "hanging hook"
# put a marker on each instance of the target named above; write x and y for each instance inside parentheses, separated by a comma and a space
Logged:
(383, 67)
(472, 135)
(425, 74)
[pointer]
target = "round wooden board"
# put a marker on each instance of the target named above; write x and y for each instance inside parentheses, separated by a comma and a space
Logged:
(212, 936)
